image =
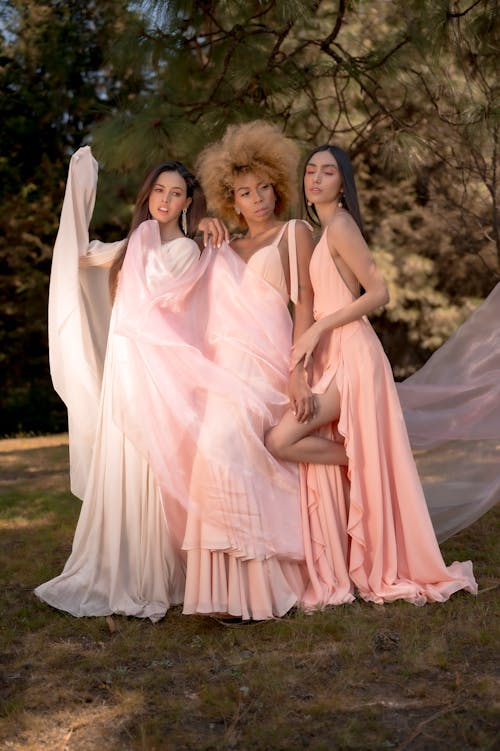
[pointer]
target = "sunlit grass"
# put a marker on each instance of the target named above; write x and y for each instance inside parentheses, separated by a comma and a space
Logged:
(353, 677)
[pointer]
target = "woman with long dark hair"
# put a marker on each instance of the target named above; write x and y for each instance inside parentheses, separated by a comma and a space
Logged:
(126, 555)
(377, 541)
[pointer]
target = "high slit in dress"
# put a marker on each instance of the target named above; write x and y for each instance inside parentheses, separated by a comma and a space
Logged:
(378, 540)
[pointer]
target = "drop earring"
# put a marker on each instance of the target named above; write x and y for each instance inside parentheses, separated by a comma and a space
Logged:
(184, 221)
(341, 201)
(309, 203)
(238, 211)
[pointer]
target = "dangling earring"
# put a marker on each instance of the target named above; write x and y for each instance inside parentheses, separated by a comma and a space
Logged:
(309, 203)
(238, 211)
(184, 221)
(341, 201)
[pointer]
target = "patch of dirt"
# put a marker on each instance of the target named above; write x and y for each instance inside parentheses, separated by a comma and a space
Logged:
(34, 442)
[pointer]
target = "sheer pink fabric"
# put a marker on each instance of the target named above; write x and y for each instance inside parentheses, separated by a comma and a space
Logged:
(452, 412)
(391, 551)
(211, 367)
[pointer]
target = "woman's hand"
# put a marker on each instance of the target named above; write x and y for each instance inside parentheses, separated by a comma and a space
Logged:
(305, 346)
(213, 228)
(302, 400)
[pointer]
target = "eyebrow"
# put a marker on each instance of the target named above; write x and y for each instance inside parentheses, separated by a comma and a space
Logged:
(313, 164)
(173, 187)
(247, 187)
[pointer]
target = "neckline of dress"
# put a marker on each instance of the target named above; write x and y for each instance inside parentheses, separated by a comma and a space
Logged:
(272, 244)
(173, 240)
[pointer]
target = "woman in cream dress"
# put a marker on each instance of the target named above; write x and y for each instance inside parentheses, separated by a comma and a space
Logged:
(126, 556)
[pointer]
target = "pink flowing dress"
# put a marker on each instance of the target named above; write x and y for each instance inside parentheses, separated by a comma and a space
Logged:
(209, 356)
(387, 547)
(256, 582)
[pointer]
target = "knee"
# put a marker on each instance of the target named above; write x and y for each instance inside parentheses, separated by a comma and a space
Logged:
(274, 444)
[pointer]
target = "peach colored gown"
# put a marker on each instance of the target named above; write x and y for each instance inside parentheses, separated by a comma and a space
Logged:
(260, 579)
(387, 547)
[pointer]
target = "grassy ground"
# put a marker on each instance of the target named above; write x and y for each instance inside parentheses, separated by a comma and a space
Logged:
(352, 677)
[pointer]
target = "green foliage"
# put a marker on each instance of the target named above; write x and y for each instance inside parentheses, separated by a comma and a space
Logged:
(409, 88)
(55, 84)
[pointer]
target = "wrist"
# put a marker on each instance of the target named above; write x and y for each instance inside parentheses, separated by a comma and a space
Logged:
(319, 326)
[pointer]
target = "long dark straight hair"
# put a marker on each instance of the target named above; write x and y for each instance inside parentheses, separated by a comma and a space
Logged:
(350, 196)
(196, 210)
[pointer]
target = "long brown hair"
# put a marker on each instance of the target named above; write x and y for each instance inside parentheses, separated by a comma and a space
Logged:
(196, 210)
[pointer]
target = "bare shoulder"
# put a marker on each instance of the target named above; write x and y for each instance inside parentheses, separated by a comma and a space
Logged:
(303, 230)
(342, 228)
(341, 222)
(237, 241)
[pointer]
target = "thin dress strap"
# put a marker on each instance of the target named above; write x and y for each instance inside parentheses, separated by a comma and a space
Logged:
(280, 234)
(292, 259)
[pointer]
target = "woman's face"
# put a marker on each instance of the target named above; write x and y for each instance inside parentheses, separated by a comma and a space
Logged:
(168, 197)
(254, 196)
(322, 179)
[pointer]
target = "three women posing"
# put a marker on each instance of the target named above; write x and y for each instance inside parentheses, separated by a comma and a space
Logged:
(205, 348)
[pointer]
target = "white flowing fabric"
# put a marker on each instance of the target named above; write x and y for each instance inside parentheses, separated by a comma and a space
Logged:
(126, 556)
(79, 312)
(452, 411)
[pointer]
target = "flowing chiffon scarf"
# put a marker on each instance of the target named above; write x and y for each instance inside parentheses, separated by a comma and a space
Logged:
(79, 314)
(451, 408)
(205, 374)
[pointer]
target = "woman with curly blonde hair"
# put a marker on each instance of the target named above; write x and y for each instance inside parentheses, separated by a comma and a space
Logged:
(245, 554)
(250, 178)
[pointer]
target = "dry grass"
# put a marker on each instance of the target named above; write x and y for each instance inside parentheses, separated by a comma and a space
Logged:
(353, 677)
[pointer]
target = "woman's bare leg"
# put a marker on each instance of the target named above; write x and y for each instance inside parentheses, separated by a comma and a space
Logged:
(294, 441)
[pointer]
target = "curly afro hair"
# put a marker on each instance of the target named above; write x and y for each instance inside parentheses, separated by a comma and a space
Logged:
(257, 147)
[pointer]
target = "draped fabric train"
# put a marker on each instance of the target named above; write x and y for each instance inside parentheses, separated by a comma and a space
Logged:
(391, 551)
(452, 412)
